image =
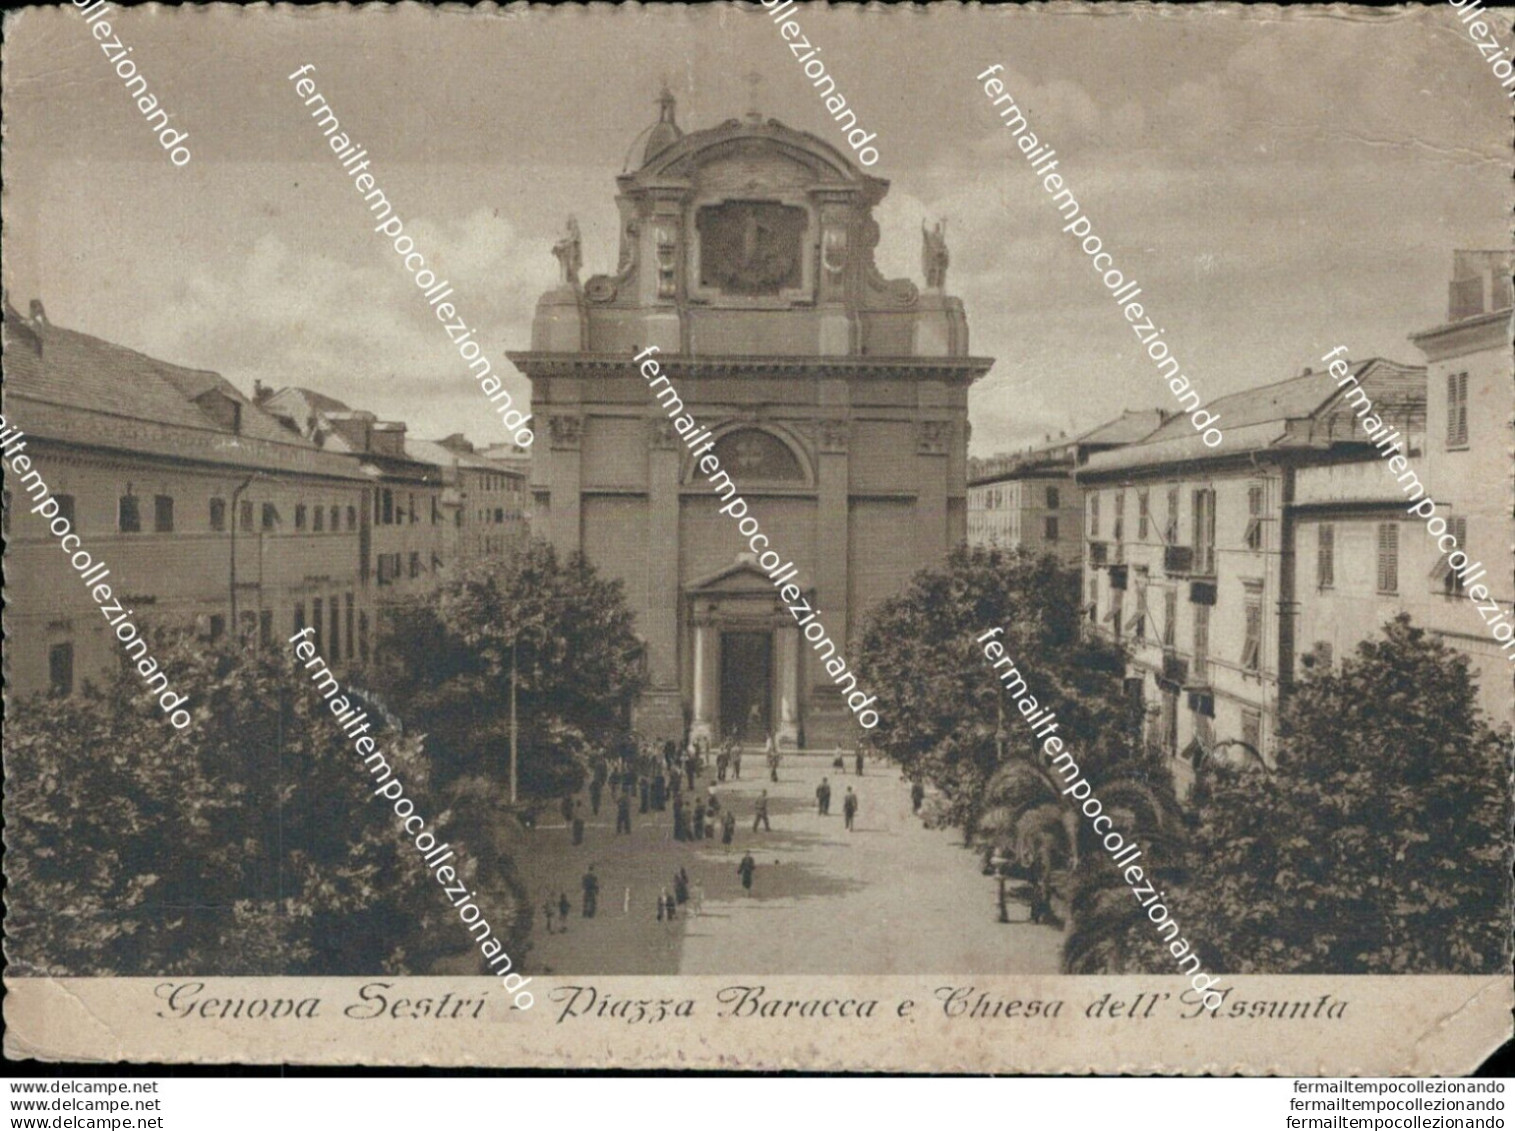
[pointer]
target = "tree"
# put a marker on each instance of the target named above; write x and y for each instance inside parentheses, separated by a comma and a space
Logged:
(1381, 843)
(941, 706)
(446, 659)
(248, 843)
(940, 700)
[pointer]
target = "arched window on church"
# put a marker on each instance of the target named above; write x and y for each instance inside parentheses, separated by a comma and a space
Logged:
(751, 455)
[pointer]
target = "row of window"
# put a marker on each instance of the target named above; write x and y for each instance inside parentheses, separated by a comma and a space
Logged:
(1203, 520)
(999, 498)
(1387, 557)
(327, 619)
(389, 566)
(316, 518)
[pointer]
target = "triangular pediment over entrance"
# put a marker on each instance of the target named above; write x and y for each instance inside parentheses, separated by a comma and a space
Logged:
(742, 576)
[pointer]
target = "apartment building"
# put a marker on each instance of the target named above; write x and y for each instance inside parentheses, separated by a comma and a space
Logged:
(1030, 500)
(1470, 397)
(201, 504)
(483, 501)
(1196, 558)
(404, 539)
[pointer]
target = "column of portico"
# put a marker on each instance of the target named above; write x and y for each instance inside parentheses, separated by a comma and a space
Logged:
(704, 686)
(786, 709)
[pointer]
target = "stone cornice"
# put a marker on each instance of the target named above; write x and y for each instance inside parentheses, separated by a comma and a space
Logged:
(537, 364)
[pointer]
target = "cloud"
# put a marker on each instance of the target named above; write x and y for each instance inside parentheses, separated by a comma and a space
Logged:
(363, 332)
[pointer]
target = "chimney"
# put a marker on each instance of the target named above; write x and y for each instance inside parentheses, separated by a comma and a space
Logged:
(38, 315)
(261, 392)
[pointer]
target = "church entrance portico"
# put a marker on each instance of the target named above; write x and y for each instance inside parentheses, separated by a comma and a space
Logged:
(746, 702)
(744, 659)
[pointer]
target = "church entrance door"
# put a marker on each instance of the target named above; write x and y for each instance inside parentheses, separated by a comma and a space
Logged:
(747, 684)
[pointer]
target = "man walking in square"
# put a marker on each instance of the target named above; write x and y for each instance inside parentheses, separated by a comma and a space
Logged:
(591, 885)
(760, 813)
(849, 807)
(623, 813)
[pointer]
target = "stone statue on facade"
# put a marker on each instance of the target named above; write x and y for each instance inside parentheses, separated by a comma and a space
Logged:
(934, 257)
(570, 254)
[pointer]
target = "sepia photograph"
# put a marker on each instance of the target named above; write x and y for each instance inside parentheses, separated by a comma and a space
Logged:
(751, 536)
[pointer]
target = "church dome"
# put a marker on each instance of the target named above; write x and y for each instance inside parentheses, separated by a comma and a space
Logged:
(666, 131)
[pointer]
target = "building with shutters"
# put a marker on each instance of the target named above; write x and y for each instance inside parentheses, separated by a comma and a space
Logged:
(1030, 500)
(207, 510)
(836, 398)
(1469, 403)
(1231, 571)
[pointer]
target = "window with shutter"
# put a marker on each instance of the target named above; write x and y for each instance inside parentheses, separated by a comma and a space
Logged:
(1170, 534)
(1170, 618)
(1093, 514)
(1251, 651)
(1388, 557)
(1143, 514)
(1457, 409)
(1254, 535)
(1325, 556)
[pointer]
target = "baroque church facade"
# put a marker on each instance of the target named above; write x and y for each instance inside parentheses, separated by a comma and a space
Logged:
(837, 398)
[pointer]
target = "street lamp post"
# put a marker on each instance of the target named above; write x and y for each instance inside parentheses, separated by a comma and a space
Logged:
(998, 862)
(513, 732)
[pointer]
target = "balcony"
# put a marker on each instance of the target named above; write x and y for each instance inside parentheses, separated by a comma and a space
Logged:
(1099, 554)
(1202, 593)
(1178, 561)
(1118, 577)
(1175, 668)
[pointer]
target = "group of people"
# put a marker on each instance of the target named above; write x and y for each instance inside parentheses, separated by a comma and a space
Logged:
(662, 775)
(823, 802)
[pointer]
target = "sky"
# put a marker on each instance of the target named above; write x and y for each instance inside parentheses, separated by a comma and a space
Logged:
(1280, 181)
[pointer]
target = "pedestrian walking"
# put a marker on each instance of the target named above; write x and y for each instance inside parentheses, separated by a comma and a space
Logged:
(722, 763)
(728, 827)
(917, 795)
(596, 791)
(644, 793)
(680, 829)
(699, 821)
(699, 899)
(681, 886)
(849, 807)
(563, 909)
(691, 762)
(745, 870)
(760, 813)
(823, 798)
(548, 911)
(660, 792)
(578, 824)
(736, 762)
(591, 886)
(623, 814)
(859, 761)
(665, 906)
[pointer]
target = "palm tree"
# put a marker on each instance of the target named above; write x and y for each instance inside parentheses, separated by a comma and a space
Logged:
(1027, 818)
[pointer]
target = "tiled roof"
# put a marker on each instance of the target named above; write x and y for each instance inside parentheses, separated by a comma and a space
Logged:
(432, 452)
(63, 367)
(1127, 428)
(1282, 414)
